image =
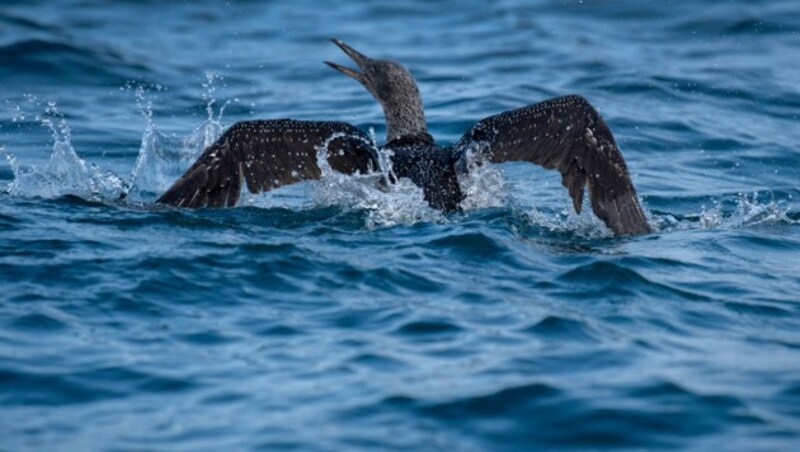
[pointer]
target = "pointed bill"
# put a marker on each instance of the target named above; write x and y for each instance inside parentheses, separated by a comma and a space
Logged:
(360, 59)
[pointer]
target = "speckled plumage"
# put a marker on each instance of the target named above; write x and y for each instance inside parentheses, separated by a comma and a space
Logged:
(565, 133)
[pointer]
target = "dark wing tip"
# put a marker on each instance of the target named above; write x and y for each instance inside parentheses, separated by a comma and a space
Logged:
(188, 191)
(567, 134)
(622, 214)
(214, 180)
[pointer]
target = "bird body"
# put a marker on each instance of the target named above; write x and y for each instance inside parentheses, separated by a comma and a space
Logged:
(430, 167)
(565, 133)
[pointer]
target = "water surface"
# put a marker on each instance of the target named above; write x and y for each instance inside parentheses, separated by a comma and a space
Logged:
(332, 316)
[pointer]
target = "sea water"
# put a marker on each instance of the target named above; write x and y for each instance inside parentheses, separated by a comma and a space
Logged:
(335, 316)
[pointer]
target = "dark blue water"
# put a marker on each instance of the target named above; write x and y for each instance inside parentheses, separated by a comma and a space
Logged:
(332, 316)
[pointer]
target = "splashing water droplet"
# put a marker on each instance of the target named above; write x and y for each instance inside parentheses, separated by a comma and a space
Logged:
(162, 157)
(65, 172)
(483, 185)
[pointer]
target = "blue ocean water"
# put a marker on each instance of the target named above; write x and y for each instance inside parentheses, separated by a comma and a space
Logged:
(329, 316)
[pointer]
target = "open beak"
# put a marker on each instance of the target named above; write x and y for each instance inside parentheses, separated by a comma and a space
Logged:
(356, 56)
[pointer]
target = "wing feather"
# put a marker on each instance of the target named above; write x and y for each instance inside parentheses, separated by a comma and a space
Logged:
(567, 134)
(265, 155)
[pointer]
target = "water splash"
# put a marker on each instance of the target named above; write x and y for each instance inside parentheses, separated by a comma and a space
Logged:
(14, 164)
(747, 211)
(160, 160)
(65, 172)
(206, 133)
(483, 185)
(742, 210)
(387, 204)
(149, 170)
(163, 157)
(566, 221)
(402, 202)
(209, 88)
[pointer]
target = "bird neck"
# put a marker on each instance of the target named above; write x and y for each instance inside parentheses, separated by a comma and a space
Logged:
(404, 117)
(423, 138)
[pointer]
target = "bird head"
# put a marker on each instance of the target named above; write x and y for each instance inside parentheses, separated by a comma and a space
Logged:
(388, 81)
(393, 87)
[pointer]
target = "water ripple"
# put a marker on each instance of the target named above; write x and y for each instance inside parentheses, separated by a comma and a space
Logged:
(333, 316)
(35, 58)
(616, 280)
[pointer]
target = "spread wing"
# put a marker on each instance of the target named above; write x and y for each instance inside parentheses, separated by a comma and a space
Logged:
(265, 155)
(566, 133)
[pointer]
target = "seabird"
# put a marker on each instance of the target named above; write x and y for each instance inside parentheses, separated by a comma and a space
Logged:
(565, 133)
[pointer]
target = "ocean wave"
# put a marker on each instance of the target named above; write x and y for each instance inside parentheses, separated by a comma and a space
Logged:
(37, 59)
(749, 26)
(25, 23)
(335, 315)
